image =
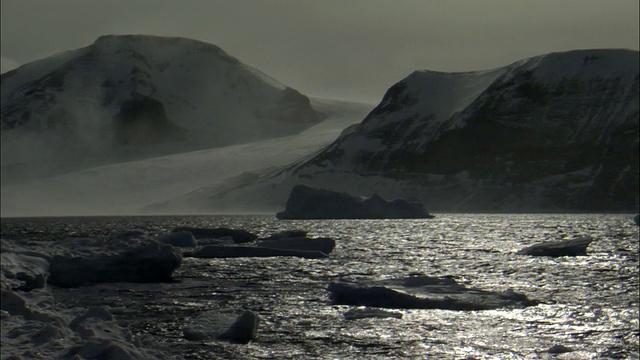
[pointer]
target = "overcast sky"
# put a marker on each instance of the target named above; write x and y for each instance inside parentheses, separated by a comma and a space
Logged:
(350, 49)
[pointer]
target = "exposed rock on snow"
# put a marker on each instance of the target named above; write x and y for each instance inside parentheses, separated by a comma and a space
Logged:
(424, 292)
(308, 203)
(215, 251)
(573, 247)
(238, 235)
(212, 326)
(325, 245)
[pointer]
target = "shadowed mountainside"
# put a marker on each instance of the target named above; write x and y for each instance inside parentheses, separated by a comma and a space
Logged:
(557, 132)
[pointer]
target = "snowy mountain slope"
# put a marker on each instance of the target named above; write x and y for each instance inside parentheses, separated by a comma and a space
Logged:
(557, 132)
(170, 184)
(134, 96)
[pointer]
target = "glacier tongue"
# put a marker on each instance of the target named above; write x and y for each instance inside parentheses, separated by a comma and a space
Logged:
(174, 184)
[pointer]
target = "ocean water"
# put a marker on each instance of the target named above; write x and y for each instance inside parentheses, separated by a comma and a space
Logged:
(588, 303)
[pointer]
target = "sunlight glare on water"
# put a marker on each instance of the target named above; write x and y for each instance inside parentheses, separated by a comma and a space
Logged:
(588, 303)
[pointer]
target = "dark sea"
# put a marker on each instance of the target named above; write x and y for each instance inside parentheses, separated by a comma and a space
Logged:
(588, 303)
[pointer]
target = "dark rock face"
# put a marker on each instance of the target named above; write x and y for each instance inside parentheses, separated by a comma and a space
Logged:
(574, 247)
(424, 293)
(308, 203)
(293, 107)
(143, 121)
(558, 132)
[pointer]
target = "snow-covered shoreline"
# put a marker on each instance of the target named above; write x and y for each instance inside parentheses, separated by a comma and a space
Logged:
(35, 326)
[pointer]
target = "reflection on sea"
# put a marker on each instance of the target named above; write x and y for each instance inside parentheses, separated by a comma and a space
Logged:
(589, 304)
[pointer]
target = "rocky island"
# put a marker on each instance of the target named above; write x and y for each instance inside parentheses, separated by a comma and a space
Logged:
(309, 203)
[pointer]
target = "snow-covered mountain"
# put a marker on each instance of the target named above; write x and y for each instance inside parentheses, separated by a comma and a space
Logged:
(557, 132)
(136, 96)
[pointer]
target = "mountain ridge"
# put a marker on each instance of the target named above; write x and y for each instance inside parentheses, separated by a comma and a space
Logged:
(75, 102)
(555, 132)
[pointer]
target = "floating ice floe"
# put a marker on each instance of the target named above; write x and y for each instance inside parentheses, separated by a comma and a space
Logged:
(215, 326)
(424, 292)
(573, 247)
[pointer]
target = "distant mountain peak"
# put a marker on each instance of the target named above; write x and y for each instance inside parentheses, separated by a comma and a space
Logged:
(152, 42)
(207, 97)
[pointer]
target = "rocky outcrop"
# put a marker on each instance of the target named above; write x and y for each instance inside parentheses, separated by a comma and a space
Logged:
(142, 120)
(308, 203)
(423, 292)
(573, 247)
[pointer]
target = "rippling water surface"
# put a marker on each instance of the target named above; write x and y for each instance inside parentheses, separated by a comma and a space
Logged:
(589, 303)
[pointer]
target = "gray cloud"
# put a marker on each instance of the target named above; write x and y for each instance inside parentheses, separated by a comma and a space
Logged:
(351, 49)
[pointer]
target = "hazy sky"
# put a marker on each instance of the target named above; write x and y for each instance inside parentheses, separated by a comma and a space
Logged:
(351, 49)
